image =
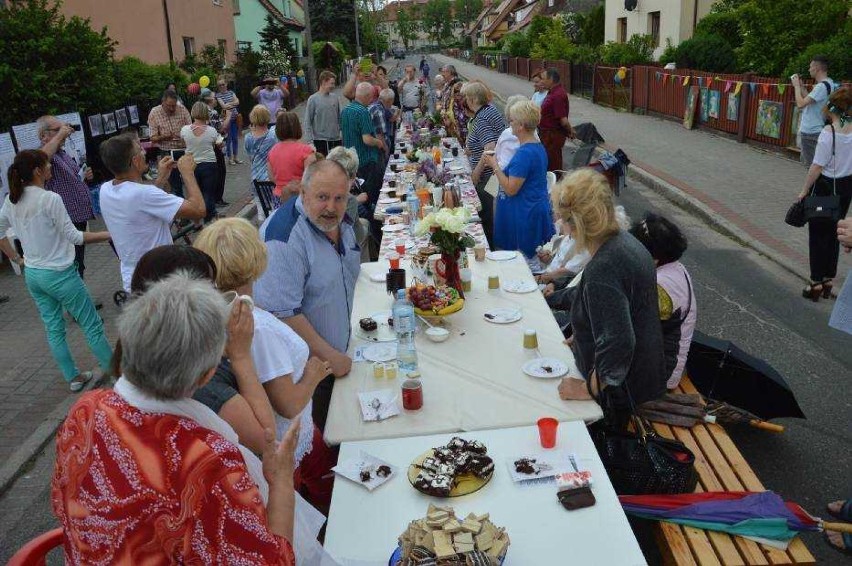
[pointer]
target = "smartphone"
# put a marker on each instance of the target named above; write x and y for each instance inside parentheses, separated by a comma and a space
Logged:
(76, 127)
(177, 153)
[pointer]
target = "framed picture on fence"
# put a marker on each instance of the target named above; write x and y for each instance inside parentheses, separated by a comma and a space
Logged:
(134, 114)
(96, 125)
(121, 118)
(705, 105)
(691, 108)
(733, 113)
(715, 104)
(769, 116)
(795, 122)
(109, 123)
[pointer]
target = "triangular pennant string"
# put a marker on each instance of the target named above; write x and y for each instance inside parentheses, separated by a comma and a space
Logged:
(738, 88)
(781, 89)
(727, 86)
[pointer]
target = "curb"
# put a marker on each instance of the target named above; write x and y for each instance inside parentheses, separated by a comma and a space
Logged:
(19, 461)
(697, 208)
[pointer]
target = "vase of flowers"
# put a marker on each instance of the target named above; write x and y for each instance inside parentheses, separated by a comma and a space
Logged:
(446, 229)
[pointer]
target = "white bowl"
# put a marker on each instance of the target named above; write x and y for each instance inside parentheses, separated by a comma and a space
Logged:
(436, 334)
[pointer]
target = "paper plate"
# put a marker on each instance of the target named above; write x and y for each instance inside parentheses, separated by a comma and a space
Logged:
(381, 352)
(465, 483)
(503, 315)
(394, 227)
(389, 200)
(520, 286)
(380, 277)
(545, 368)
(383, 333)
(501, 255)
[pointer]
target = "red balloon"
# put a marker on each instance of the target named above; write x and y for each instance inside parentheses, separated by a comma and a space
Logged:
(194, 88)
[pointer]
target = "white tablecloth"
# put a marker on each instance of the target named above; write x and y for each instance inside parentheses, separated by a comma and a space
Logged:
(473, 381)
(363, 526)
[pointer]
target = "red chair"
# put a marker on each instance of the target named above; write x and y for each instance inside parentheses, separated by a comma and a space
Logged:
(34, 552)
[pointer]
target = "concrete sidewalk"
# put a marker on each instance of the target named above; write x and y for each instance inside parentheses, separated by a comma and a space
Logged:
(742, 190)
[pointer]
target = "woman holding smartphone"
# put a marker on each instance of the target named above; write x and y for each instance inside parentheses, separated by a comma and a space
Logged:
(200, 139)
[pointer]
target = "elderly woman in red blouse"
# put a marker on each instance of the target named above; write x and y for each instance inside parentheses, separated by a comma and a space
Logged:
(146, 475)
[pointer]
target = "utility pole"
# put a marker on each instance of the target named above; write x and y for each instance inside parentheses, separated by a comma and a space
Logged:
(312, 72)
(357, 33)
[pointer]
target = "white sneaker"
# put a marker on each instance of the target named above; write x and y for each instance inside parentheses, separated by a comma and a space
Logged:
(80, 381)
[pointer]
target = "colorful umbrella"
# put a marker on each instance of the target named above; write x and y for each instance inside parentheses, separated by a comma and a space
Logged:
(758, 515)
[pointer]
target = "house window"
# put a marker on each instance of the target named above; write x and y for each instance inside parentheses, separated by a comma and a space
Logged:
(236, 7)
(243, 45)
(654, 27)
(188, 46)
(622, 30)
(223, 45)
(550, 3)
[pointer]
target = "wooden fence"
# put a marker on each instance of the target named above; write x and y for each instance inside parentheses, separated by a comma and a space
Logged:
(752, 108)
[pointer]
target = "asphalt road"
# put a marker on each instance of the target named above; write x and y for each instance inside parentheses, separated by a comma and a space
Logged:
(742, 297)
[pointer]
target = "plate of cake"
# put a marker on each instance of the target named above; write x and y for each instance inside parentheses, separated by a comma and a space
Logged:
(378, 327)
(443, 538)
(545, 368)
(458, 468)
(366, 470)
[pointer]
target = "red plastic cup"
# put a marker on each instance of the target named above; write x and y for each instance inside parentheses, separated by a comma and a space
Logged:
(393, 259)
(547, 431)
(399, 245)
(412, 394)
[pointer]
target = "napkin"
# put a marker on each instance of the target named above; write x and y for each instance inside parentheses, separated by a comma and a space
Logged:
(351, 469)
(378, 405)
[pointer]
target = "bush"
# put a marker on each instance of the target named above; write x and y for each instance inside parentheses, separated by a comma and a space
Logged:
(637, 51)
(52, 64)
(136, 79)
(669, 54)
(835, 49)
(707, 53)
(553, 44)
(517, 45)
(722, 24)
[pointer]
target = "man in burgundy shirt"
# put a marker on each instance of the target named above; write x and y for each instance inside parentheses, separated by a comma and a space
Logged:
(554, 127)
(65, 180)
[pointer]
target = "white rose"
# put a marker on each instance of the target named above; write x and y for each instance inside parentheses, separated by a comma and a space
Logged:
(455, 225)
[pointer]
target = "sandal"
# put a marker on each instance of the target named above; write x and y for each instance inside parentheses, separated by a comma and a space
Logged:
(845, 544)
(845, 513)
(80, 381)
(813, 292)
(827, 286)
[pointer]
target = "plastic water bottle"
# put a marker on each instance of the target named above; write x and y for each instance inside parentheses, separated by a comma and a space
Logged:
(405, 325)
(414, 209)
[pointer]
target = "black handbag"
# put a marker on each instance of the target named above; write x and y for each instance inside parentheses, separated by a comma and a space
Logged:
(795, 216)
(640, 462)
(823, 207)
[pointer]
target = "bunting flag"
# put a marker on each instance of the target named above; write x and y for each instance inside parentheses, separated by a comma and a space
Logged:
(686, 80)
(781, 89)
(664, 79)
(765, 89)
(752, 87)
(718, 79)
(727, 86)
(708, 82)
(659, 75)
(738, 88)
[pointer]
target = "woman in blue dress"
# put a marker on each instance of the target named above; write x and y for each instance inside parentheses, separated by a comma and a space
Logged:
(524, 217)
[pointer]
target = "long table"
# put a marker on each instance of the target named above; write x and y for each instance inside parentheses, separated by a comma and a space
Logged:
(473, 381)
(363, 526)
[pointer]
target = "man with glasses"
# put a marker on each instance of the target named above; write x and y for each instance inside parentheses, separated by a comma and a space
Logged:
(139, 215)
(165, 122)
(68, 180)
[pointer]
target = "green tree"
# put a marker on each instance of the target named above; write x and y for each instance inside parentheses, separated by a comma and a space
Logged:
(706, 52)
(538, 26)
(592, 26)
(466, 11)
(516, 44)
(636, 51)
(334, 20)
(777, 31)
(406, 25)
(553, 44)
(52, 64)
(437, 22)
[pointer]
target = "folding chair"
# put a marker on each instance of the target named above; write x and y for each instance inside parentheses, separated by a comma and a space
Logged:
(268, 200)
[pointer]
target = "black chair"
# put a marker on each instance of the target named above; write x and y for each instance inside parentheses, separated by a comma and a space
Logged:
(268, 201)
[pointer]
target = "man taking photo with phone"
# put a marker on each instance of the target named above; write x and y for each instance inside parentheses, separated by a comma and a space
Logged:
(165, 122)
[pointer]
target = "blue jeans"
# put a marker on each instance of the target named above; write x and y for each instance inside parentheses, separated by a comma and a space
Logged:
(232, 142)
(54, 291)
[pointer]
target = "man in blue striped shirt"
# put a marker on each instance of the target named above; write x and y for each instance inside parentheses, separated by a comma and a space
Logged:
(314, 261)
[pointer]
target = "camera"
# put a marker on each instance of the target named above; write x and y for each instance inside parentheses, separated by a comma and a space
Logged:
(177, 153)
(76, 127)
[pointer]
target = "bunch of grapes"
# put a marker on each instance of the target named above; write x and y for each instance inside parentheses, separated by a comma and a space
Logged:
(421, 296)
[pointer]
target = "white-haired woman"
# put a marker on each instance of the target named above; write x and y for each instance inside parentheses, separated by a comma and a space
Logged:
(147, 450)
(524, 219)
(347, 157)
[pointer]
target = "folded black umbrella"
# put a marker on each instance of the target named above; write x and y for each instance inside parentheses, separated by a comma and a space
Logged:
(722, 371)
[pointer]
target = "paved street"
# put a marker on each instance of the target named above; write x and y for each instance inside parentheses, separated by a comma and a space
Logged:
(741, 296)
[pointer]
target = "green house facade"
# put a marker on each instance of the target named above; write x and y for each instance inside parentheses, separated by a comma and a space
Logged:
(250, 19)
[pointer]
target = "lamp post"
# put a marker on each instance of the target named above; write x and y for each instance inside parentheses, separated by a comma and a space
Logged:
(312, 72)
(357, 33)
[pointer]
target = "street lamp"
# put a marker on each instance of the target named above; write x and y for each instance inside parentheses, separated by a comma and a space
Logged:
(357, 25)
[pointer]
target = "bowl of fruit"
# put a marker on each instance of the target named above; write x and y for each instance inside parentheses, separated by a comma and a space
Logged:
(434, 301)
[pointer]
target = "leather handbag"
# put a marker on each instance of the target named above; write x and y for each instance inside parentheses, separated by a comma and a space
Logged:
(795, 216)
(639, 462)
(823, 207)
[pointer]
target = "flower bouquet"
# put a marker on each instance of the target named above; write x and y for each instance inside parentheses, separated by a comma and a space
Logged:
(438, 176)
(446, 227)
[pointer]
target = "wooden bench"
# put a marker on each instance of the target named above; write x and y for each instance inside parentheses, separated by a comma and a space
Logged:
(720, 467)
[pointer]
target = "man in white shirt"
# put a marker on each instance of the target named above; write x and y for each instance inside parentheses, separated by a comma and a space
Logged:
(410, 91)
(138, 215)
(811, 105)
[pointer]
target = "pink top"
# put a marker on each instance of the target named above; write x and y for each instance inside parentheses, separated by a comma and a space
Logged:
(674, 278)
(287, 162)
